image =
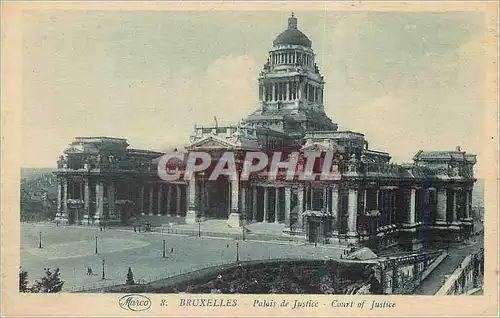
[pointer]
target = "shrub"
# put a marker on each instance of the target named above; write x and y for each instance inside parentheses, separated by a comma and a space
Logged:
(51, 283)
(23, 281)
(130, 277)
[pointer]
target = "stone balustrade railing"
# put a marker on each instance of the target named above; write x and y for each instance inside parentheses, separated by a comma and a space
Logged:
(378, 169)
(138, 166)
(467, 276)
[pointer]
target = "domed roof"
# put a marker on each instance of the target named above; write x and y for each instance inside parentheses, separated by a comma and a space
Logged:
(292, 35)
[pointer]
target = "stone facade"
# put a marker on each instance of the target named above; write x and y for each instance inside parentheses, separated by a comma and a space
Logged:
(369, 200)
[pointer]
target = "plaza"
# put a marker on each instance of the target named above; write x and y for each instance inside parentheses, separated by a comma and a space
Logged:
(72, 250)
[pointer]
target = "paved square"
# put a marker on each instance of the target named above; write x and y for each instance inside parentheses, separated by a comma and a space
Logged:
(72, 250)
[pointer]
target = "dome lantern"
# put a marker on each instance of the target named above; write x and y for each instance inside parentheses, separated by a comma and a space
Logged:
(292, 22)
(292, 36)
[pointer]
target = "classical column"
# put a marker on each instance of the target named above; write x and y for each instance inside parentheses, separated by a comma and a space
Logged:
(335, 204)
(311, 196)
(64, 215)
(454, 206)
(352, 211)
(243, 202)
(266, 205)
(411, 207)
(273, 85)
(234, 219)
(150, 210)
(99, 200)
(86, 199)
(206, 199)
(178, 192)
(467, 204)
(59, 198)
(254, 204)
(288, 198)
(377, 207)
(235, 192)
(111, 200)
(191, 213)
(394, 205)
(325, 199)
(385, 205)
(365, 198)
(169, 199)
(389, 206)
(276, 205)
(160, 197)
(141, 199)
(441, 205)
(300, 205)
(300, 88)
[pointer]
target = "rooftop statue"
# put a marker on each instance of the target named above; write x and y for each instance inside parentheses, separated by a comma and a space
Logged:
(61, 162)
(316, 69)
(267, 65)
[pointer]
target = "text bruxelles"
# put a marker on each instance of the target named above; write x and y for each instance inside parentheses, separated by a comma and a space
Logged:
(254, 162)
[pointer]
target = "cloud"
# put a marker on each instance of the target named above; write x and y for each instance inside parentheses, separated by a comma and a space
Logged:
(440, 106)
(227, 89)
(143, 77)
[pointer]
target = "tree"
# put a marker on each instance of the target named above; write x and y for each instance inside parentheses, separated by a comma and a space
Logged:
(130, 277)
(51, 283)
(23, 281)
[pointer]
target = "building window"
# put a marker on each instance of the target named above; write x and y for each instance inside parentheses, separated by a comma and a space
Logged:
(317, 199)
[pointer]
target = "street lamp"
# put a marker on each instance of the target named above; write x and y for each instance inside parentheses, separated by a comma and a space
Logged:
(103, 276)
(237, 252)
(163, 248)
(96, 244)
(40, 240)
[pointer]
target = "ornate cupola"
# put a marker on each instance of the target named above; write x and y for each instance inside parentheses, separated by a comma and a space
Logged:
(291, 82)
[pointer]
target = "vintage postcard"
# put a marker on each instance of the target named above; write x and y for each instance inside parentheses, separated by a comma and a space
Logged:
(249, 159)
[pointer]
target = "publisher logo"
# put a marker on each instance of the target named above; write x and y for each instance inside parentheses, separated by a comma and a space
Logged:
(135, 302)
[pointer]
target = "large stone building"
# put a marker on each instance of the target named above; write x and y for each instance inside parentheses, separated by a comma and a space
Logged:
(370, 200)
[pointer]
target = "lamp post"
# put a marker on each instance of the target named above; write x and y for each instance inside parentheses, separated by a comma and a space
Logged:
(40, 240)
(103, 276)
(96, 244)
(237, 252)
(199, 228)
(163, 248)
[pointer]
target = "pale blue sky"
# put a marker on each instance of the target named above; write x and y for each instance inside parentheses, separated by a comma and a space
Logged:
(409, 81)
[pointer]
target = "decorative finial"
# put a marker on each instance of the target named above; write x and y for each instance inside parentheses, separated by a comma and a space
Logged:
(292, 22)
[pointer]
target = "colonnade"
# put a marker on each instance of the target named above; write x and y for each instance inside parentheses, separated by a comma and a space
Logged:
(274, 203)
(98, 199)
(292, 57)
(162, 199)
(290, 91)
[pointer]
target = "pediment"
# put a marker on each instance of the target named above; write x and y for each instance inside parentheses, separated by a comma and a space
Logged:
(322, 147)
(211, 142)
(315, 147)
(73, 149)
